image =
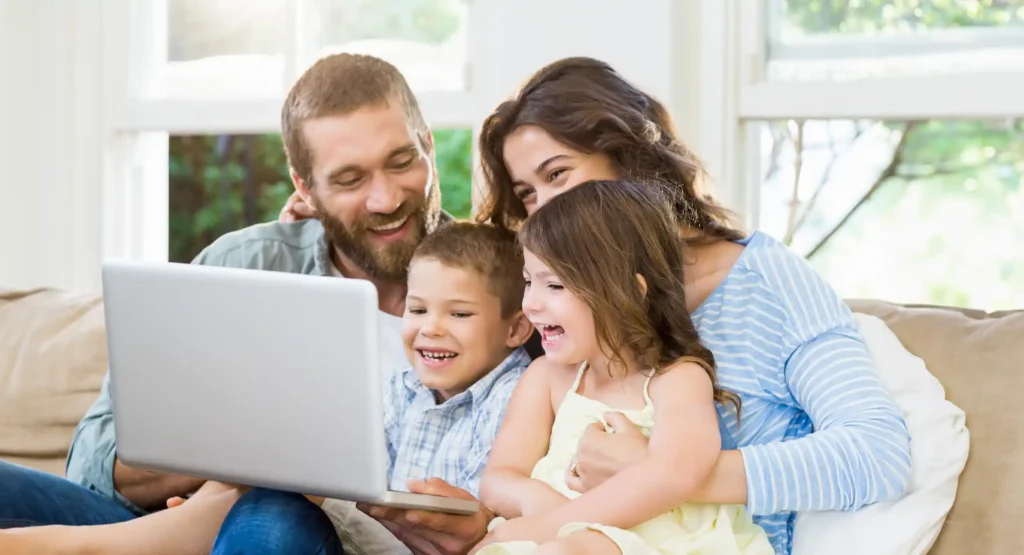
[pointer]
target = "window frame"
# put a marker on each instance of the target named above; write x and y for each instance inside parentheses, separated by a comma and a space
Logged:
(751, 98)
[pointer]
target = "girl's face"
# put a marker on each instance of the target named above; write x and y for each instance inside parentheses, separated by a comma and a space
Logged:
(542, 168)
(565, 322)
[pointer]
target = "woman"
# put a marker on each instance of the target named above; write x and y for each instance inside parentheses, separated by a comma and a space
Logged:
(818, 431)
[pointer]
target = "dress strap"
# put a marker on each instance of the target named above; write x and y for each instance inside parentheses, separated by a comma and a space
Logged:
(579, 377)
(647, 389)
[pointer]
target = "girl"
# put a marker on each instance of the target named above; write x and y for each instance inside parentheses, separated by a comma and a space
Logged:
(617, 337)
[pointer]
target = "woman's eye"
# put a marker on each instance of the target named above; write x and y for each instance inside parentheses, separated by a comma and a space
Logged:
(555, 174)
(417, 311)
(556, 287)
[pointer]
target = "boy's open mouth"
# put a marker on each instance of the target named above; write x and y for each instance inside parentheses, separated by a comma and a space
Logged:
(436, 357)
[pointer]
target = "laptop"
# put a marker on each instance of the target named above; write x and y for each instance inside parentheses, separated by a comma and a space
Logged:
(253, 377)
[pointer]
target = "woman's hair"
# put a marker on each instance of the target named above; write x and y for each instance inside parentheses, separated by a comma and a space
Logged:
(597, 238)
(586, 105)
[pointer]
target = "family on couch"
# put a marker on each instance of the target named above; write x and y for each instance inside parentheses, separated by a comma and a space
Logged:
(776, 409)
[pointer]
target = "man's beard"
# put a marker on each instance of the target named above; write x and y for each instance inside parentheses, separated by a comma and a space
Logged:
(390, 261)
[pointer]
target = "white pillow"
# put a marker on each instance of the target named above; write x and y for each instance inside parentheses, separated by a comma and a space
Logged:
(939, 443)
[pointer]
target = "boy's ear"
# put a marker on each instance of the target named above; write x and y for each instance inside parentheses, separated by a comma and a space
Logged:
(520, 330)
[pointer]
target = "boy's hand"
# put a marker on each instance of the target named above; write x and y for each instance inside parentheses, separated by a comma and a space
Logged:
(432, 533)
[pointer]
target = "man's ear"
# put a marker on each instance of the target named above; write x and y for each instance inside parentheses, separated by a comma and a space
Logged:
(301, 187)
(520, 330)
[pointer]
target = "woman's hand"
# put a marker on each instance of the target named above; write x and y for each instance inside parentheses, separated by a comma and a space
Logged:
(600, 455)
(295, 209)
(432, 533)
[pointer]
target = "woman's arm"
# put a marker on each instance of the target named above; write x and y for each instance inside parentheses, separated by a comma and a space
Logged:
(860, 451)
(522, 440)
(681, 453)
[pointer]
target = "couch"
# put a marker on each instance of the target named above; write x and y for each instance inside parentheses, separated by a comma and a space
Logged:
(53, 358)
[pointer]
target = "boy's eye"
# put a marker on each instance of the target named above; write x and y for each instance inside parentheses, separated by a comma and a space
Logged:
(417, 311)
(462, 314)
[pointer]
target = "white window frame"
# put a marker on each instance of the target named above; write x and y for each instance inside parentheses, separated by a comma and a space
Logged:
(743, 97)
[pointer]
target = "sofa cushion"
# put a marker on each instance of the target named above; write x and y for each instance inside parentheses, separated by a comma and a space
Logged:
(978, 358)
(52, 360)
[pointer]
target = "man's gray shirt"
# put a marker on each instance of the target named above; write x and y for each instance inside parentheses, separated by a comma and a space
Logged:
(299, 247)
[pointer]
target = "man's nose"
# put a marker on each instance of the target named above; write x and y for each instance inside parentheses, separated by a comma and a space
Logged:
(385, 196)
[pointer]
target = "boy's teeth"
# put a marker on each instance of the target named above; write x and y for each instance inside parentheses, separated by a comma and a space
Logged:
(438, 356)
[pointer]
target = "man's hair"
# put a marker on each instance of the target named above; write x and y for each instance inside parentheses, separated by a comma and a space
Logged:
(340, 84)
(490, 251)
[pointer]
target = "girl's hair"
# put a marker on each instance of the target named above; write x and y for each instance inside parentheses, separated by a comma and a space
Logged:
(597, 237)
(586, 105)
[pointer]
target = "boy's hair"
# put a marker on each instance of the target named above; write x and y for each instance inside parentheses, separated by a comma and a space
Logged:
(596, 237)
(485, 249)
(340, 84)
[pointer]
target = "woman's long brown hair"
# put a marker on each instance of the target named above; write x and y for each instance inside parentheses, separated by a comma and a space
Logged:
(586, 105)
(597, 238)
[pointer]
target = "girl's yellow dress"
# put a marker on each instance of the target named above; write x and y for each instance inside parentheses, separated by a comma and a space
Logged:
(692, 529)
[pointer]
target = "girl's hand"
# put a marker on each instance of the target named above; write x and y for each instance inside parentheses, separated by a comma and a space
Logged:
(525, 528)
(600, 455)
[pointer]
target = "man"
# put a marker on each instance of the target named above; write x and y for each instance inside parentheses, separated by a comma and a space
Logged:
(362, 157)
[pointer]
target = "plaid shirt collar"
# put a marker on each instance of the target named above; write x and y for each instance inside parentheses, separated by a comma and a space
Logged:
(479, 390)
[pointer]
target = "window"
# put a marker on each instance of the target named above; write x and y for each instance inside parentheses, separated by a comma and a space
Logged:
(911, 211)
(846, 39)
(221, 183)
(884, 141)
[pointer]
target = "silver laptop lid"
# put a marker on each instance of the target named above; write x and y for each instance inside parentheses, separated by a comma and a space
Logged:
(256, 377)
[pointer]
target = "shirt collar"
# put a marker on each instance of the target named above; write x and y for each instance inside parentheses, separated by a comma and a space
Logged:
(518, 358)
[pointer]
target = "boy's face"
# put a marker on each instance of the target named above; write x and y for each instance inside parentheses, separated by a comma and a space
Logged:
(564, 320)
(453, 329)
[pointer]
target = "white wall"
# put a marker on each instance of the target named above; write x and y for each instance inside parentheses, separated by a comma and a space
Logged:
(54, 143)
(49, 151)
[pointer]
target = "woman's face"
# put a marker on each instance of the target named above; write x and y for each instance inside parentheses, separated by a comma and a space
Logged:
(542, 168)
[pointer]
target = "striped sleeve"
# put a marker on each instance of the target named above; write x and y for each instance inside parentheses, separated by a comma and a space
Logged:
(859, 451)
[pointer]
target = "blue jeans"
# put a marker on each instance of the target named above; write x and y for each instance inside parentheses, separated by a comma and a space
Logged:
(261, 522)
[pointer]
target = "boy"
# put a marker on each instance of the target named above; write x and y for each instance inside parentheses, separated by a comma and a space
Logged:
(463, 331)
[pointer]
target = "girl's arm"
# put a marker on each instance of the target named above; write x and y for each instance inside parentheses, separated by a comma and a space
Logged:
(506, 487)
(682, 451)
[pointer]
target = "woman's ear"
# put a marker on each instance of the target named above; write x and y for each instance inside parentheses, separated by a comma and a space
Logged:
(643, 285)
(520, 330)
